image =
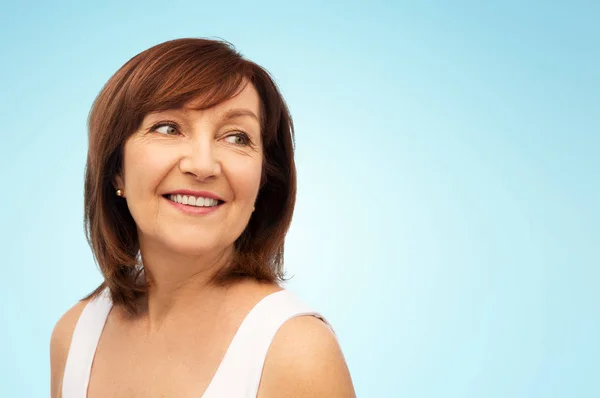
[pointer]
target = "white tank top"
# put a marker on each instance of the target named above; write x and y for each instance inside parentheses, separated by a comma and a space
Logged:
(243, 360)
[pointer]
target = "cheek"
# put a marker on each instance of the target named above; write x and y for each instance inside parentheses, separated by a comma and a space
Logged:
(244, 177)
(144, 169)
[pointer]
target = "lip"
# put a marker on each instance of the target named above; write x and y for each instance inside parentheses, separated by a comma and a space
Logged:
(189, 192)
(193, 210)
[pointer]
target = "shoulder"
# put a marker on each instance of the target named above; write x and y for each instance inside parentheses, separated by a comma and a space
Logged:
(60, 340)
(305, 359)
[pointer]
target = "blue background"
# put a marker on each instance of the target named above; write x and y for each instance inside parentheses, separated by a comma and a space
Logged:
(447, 221)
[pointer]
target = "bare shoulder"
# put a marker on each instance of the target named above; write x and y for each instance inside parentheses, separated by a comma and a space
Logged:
(305, 360)
(60, 340)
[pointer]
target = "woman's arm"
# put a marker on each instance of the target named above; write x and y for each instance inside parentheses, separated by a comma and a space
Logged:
(59, 346)
(305, 360)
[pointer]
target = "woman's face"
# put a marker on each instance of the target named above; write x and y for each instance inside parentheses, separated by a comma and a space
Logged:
(213, 153)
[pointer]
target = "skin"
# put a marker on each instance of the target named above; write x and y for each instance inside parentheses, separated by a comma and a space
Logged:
(174, 347)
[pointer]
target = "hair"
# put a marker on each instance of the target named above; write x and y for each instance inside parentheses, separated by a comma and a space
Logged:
(168, 76)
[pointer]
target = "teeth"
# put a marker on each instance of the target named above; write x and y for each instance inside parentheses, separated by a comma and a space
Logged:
(194, 201)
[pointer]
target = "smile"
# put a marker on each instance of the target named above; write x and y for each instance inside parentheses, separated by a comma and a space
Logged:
(194, 204)
(197, 201)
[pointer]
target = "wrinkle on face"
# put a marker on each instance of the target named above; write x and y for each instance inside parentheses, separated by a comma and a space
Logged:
(153, 167)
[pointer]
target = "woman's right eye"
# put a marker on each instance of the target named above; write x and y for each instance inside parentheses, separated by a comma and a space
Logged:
(166, 128)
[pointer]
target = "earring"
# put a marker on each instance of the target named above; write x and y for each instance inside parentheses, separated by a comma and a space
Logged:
(119, 192)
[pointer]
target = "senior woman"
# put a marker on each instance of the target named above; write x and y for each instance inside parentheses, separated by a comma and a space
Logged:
(189, 191)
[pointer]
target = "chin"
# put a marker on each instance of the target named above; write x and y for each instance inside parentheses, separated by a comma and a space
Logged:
(191, 247)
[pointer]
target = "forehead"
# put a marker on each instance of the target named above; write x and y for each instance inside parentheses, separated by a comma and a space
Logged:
(246, 98)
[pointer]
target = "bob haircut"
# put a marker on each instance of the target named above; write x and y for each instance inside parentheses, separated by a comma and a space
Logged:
(169, 76)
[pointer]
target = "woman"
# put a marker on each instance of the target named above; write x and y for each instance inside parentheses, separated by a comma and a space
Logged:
(189, 191)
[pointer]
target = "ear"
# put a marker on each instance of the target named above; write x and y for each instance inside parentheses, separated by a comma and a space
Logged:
(118, 182)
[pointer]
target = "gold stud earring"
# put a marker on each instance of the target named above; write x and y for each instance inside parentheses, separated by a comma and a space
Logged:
(119, 192)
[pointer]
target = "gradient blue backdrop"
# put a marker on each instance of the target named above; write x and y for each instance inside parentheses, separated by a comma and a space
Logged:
(447, 220)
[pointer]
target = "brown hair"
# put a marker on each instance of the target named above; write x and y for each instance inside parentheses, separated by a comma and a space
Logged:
(167, 76)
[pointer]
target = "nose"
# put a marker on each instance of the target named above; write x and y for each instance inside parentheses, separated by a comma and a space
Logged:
(199, 160)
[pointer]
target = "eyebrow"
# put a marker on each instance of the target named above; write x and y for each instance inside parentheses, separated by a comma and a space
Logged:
(238, 112)
(229, 114)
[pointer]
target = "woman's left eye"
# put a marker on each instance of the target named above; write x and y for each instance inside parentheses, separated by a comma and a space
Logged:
(238, 139)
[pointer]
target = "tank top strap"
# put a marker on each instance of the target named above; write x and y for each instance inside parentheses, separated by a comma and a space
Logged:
(240, 371)
(83, 345)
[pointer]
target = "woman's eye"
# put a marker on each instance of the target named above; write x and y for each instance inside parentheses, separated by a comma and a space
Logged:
(167, 129)
(238, 139)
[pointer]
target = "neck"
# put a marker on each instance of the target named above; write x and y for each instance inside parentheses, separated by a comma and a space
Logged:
(181, 285)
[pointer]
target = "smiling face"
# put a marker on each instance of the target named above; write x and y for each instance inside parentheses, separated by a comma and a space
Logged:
(212, 152)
